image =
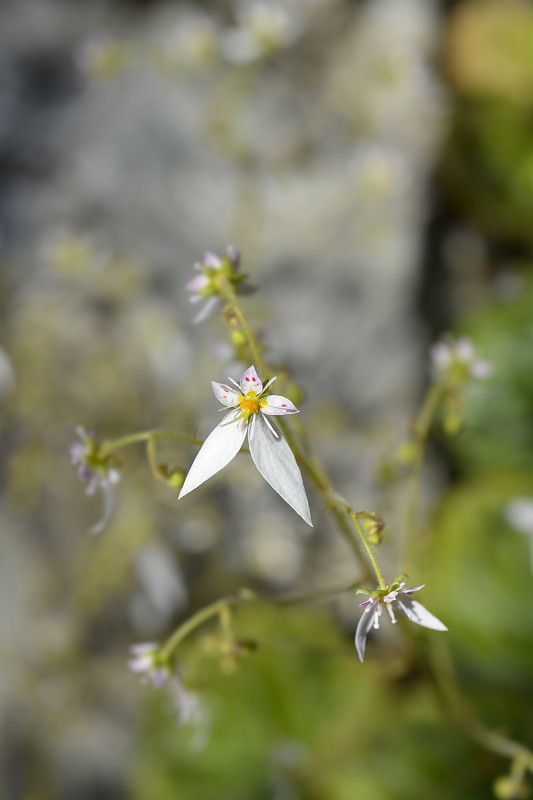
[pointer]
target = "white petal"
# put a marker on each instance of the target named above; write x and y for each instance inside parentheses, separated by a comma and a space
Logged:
(211, 260)
(276, 404)
(363, 628)
(416, 612)
(197, 283)
(225, 394)
(220, 447)
(276, 463)
(250, 381)
(107, 507)
(209, 307)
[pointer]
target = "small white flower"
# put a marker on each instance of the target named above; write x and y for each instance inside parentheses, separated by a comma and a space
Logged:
(519, 514)
(250, 408)
(147, 662)
(97, 471)
(264, 29)
(398, 599)
(203, 286)
(457, 360)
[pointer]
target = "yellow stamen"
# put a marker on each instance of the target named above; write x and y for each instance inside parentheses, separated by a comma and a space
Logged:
(249, 404)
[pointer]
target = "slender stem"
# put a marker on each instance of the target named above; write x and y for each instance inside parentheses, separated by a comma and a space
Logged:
(421, 428)
(312, 466)
(228, 293)
(115, 444)
(355, 519)
(221, 607)
(441, 666)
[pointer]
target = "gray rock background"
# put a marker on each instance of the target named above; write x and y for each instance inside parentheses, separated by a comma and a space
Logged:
(317, 163)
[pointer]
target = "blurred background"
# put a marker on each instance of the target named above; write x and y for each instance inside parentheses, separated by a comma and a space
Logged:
(373, 161)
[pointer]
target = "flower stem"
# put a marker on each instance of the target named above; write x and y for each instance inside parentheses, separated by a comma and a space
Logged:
(143, 436)
(228, 294)
(311, 465)
(355, 519)
(458, 708)
(421, 428)
(221, 607)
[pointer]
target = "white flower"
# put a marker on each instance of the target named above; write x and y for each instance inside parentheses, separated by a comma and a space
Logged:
(147, 661)
(458, 361)
(519, 514)
(204, 286)
(264, 29)
(395, 598)
(250, 408)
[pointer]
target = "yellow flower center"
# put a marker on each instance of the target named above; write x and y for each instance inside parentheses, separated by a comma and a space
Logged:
(249, 403)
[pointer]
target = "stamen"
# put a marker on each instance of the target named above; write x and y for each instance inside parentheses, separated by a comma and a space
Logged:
(235, 384)
(270, 426)
(265, 387)
(231, 421)
(391, 614)
(251, 429)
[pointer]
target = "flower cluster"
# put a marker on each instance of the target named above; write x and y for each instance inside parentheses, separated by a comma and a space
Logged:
(153, 666)
(395, 598)
(99, 471)
(206, 286)
(263, 30)
(251, 406)
(456, 362)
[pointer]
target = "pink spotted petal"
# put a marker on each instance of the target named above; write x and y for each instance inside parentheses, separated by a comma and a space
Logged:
(276, 404)
(250, 381)
(225, 394)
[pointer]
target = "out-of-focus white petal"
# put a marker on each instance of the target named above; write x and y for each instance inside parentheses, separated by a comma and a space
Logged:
(220, 447)
(107, 506)
(250, 381)
(276, 404)
(209, 307)
(211, 260)
(416, 612)
(197, 283)
(519, 514)
(225, 394)
(276, 463)
(481, 369)
(363, 628)
(464, 350)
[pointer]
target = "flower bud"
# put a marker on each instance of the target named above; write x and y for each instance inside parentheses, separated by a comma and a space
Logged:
(508, 788)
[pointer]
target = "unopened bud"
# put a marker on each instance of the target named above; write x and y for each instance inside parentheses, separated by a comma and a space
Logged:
(508, 788)
(407, 452)
(238, 338)
(176, 477)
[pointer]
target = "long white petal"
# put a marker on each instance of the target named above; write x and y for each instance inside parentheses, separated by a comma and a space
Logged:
(363, 628)
(107, 507)
(220, 447)
(276, 463)
(208, 308)
(416, 612)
